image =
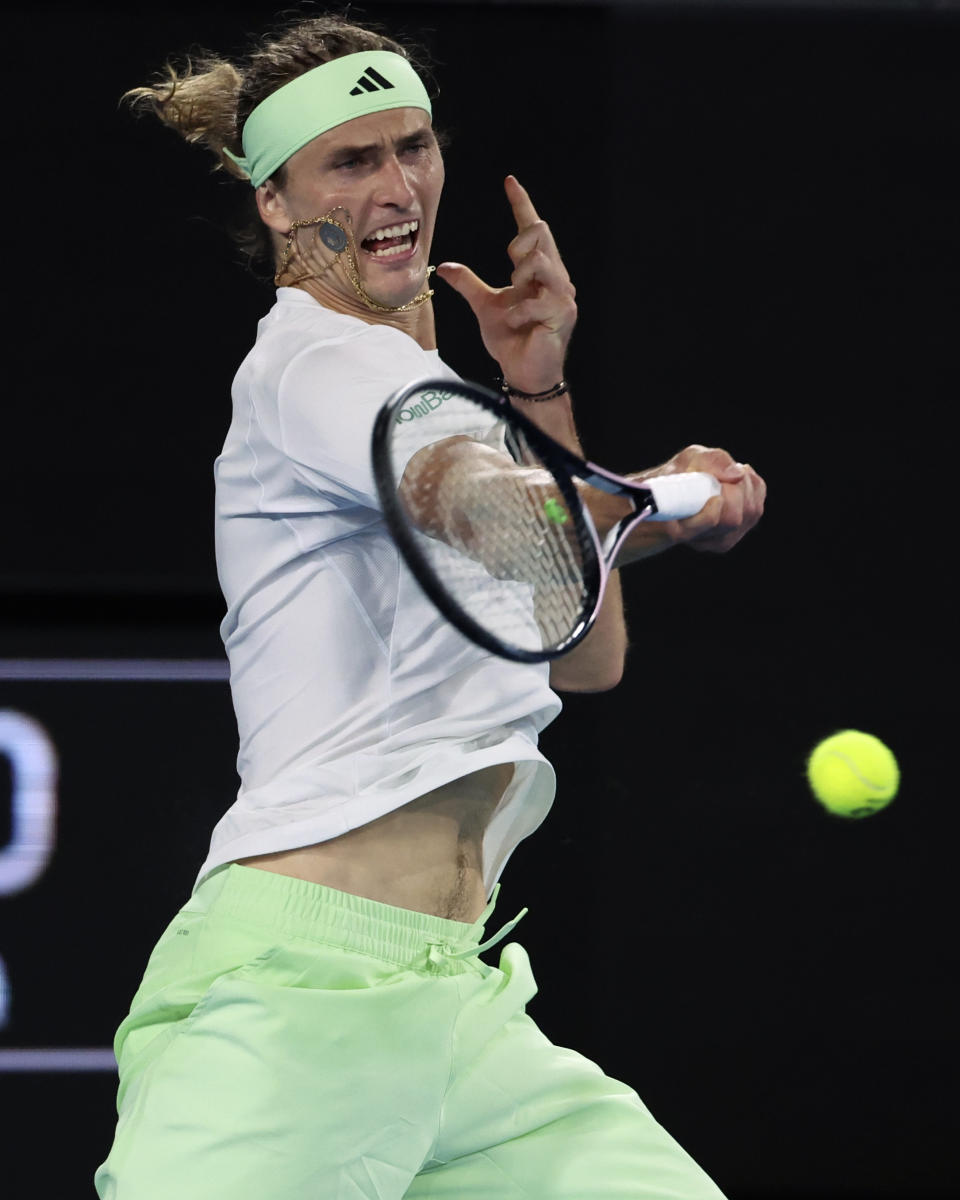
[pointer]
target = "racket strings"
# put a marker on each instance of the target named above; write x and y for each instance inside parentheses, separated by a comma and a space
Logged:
(501, 538)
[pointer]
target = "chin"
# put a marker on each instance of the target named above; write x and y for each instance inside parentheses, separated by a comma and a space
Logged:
(394, 292)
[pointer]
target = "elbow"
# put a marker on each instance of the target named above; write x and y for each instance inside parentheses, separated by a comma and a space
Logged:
(596, 665)
(606, 681)
(597, 678)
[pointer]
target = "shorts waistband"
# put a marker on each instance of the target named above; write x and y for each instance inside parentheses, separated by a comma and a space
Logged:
(298, 908)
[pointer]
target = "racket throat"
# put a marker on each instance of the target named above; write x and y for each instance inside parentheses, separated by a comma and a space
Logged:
(618, 532)
(641, 506)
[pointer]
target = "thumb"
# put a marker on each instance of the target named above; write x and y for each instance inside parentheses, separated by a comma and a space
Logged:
(470, 286)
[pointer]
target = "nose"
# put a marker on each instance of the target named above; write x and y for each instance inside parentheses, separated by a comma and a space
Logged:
(394, 188)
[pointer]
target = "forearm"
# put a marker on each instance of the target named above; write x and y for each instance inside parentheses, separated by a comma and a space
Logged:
(555, 417)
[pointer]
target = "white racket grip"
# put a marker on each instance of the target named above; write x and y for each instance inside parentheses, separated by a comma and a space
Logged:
(682, 495)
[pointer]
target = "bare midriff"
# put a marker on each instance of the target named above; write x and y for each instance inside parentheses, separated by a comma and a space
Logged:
(426, 856)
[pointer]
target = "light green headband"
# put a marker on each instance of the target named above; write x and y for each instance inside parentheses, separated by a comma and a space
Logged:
(325, 96)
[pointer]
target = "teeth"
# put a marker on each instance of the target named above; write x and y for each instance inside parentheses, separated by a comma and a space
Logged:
(388, 250)
(392, 231)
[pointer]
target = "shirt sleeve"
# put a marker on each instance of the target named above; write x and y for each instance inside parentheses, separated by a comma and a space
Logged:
(328, 399)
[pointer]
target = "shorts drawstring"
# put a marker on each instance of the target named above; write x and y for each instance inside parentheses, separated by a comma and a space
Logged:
(439, 950)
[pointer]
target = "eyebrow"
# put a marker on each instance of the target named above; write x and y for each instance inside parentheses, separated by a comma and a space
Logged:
(400, 144)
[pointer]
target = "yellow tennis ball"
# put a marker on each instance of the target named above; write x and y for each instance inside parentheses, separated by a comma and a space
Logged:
(853, 774)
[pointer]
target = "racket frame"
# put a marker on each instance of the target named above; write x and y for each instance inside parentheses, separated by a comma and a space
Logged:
(563, 464)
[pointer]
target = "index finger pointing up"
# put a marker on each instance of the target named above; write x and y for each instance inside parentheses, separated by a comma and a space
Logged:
(523, 211)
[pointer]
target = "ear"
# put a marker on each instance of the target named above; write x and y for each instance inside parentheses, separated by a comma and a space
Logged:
(273, 208)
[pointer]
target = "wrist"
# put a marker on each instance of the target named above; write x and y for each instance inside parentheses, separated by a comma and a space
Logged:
(514, 391)
(554, 417)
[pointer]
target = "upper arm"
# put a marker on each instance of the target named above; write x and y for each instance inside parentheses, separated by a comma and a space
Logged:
(597, 663)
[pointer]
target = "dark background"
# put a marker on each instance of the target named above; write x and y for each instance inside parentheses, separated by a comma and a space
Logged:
(757, 204)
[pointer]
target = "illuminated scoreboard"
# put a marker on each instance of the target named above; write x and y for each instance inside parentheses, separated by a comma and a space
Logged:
(112, 776)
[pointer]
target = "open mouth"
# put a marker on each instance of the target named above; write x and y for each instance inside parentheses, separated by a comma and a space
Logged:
(392, 241)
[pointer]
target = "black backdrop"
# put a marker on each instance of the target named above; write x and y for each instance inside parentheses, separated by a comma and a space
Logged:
(758, 209)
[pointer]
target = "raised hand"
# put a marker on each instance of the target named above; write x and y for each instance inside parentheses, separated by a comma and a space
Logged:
(526, 326)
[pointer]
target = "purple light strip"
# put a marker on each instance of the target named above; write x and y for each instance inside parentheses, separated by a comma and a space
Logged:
(95, 670)
(84, 1058)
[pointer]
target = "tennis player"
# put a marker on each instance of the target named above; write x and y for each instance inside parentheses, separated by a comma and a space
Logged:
(316, 1021)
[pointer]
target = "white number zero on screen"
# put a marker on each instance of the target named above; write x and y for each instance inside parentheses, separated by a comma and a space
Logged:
(33, 801)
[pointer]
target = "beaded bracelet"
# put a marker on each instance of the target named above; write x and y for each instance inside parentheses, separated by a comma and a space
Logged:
(558, 389)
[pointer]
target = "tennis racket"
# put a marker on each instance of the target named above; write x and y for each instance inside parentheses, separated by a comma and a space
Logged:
(489, 513)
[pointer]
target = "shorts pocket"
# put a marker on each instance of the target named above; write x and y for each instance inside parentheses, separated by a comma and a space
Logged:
(161, 1018)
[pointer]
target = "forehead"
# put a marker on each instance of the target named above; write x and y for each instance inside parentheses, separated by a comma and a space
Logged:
(375, 129)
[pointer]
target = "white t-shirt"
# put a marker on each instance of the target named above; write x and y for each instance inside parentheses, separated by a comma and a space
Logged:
(353, 695)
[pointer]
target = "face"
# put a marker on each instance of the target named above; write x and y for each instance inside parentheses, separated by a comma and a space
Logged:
(386, 170)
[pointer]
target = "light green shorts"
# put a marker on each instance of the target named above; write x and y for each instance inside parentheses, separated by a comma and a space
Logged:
(292, 1042)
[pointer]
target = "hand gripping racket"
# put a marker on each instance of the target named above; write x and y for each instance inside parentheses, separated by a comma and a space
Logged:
(490, 514)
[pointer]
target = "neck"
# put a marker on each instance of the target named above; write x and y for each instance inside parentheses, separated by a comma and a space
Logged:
(417, 323)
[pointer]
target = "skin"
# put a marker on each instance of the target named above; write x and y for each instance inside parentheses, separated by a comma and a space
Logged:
(526, 326)
(384, 169)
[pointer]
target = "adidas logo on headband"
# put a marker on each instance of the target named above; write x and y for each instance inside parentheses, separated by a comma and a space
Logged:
(370, 81)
